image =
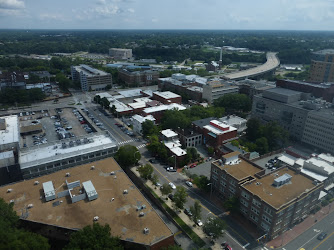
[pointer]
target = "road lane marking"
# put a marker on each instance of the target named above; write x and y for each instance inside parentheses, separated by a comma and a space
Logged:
(323, 240)
(299, 248)
(332, 222)
(177, 233)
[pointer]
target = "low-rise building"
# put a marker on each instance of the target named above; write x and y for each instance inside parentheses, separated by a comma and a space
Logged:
(137, 121)
(120, 54)
(272, 202)
(167, 97)
(235, 121)
(12, 80)
(172, 143)
(97, 191)
(158, 111)
(136, 77)
(90, 78)
(214, 89)
(190, 138)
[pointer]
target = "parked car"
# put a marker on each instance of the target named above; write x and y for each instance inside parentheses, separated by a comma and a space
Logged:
(189, 184)
(226, 246)
(170, 169)
(171, 197)
(171, 184)
(152, 161)
(68, 128)
(199, 223)
(188, 212)
(193, 165)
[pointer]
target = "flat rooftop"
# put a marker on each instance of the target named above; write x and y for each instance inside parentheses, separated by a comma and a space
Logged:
(90, 71)
(119, 213)
(38, 155)
(271, 63)
(168, 133)
(166, 94)
(239, 171)
(279, 196)
(164, 107)
(11, 133)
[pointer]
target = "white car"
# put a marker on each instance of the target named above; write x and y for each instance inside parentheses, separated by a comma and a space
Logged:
(199, 223)
(189, 184)
(172, 185)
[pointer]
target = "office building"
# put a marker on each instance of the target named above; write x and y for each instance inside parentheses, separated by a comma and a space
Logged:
(322, 66)
(273, 202)
(214, 89)
(135, 78)
(120, 54)
(167, 97)
(12, 80)
(57, 204)
(91, 79)
(138, 120)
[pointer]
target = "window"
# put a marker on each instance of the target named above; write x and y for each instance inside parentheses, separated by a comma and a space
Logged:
(243, 202)
(253, 217)
(268, 210)
(245, 195)
(254, 210)
(266, 218)
(232, 190)
(265, 226)
(256, 203)
(244, 210)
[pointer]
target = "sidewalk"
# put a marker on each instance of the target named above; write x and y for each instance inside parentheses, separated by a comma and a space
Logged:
(290, 235)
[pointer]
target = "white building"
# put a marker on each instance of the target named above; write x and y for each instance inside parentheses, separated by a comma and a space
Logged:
(235, 121)
(138, 121)
(120, 54)
(9, 133)
(214, 89)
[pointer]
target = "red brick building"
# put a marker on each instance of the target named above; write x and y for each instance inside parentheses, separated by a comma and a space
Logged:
(167, 97)
(146, 77)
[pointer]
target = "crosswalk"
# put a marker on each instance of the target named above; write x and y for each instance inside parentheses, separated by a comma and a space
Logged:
(129, 141)
(141, 146)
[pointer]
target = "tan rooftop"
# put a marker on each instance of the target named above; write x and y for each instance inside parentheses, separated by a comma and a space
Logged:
(241, 170)
(119, 213)
(279, 196)
(234, 153)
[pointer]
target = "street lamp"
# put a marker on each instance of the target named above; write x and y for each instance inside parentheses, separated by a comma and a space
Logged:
(210, 184)
(174, 161)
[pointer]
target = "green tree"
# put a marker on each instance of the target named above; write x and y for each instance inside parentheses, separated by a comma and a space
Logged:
(180, 197)
(166, 189)
(215, 227)
(202, 182)
(232, 204)
(149, 128)
(94, 237)
(104, 103)
(113, 109)
(154, 179)
(196, 210)
(211, 150)
(234, 102)
(262, 145)
(14, 238)
(146, 171)
(127, 156)
(253, 130)
(63, 82)
(172, 248)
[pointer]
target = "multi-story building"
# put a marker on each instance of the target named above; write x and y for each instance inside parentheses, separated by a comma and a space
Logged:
(167, 97)
(120, 54)
(212, 66)
(252, 87)
(158, 111)
(13, 80)
(272, 202)
(173, 144)
(214, 89)
(322, 66)
(235, 121)
(138, 120)
(90, 78)
(190, 138)
(319, 90)
(144, 77)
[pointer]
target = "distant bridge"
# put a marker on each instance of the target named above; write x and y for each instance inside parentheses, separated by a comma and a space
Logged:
(271, 64)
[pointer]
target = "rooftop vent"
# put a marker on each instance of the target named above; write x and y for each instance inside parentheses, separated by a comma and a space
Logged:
(125, 191)
(67, 174)
(282, 180)
(146, 230)
(141, 214)
(11, 201)
(112, 173)
(92, 167)
(9, 190)
(112, 199)
(36, 182)
(30, 206)
(258, 183)
(96, 218)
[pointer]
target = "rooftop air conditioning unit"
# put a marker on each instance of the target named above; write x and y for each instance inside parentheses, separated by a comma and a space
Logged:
(141, 214)
(30, 206)
(112, 173)
(125, 191)
(9, 190)
(96, 218)
(92, 167)
(36, 182)
(146, 230)
(67, 175)
(11, 201)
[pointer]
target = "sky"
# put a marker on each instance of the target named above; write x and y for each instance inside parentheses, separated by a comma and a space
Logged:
(168, 14)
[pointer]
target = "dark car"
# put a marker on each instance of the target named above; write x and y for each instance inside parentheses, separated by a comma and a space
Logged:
(188, 212)
(322, 236)
(171, 197)
(151, 160)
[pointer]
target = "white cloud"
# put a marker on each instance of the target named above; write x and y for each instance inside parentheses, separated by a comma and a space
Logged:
(52, 16)
(11, 4)
(131, 10)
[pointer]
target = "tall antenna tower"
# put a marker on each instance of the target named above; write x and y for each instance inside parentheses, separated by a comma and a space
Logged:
(221, 57)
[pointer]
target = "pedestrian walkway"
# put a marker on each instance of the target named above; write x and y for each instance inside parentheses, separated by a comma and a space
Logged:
(141, 146)
(126, 142)
(310, 221)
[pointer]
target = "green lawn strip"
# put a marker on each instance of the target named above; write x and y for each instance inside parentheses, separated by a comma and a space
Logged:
(196, 239)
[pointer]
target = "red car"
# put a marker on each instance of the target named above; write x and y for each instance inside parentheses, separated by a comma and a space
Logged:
(82, 122)
(226, 246)
(193, 165)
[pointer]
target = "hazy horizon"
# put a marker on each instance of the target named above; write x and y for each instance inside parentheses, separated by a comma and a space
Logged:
(275, 15)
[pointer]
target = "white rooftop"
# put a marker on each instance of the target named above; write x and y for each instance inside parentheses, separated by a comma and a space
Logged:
(89, 188)
(287, 159)
(141, 119)
(319, 164)
(90, 71)
(218, 131)
(120, 106)
(38, 155)
(104, 94)
(178, 151)
(130, 93)
(168, 133)
(11, 133)
(314, 175)
(327, 157)
(166, 94)
(173, 144)
(232, 120)
(142, 99)
(164, 107)
(137, 105)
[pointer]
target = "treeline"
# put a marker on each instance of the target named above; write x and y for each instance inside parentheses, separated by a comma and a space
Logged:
(21, 96)
(293, 47)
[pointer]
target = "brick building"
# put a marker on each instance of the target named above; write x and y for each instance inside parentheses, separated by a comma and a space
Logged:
(145, 77)
(167, 97)
(272, 202)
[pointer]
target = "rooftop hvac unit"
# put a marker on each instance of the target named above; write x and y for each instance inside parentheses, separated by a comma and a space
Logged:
(146, 230)
(67, 175)
(96, 218)
(11, 201)
(125, 191)
(141, 214)
(112, 173)
(30, 206)
(36, 182)
(9, 190)
(92, 167)
(112, 199)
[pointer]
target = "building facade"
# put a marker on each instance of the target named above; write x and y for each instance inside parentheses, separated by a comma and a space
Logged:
(90, 78)
(145, 77)
(167, 97)
(215, 89)
(120, 54)
(322, 67)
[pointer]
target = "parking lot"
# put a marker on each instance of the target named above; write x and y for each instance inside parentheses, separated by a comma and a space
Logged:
(268, 163)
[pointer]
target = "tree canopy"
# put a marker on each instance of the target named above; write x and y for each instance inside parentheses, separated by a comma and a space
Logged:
(214, 226)
(14, 238)
(196, 210)
(180, 197)
(127, 156)
(234, 103)
(94, 237)
(146, 171)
